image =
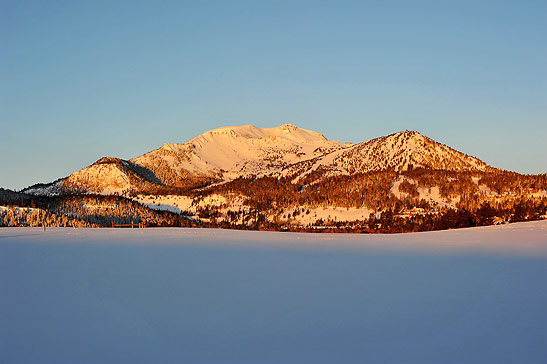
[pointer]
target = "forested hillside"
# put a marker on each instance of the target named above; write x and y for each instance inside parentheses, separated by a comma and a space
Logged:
(286, 178)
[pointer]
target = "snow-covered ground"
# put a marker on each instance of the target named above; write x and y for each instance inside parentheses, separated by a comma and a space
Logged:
(216, 296)
(308, 216)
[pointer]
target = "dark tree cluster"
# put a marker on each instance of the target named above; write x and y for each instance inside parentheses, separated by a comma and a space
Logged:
(85, 210)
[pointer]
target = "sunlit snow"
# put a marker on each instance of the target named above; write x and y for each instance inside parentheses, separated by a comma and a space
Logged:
(243, 150)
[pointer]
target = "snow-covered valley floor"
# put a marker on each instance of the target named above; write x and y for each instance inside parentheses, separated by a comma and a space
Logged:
(215, 296)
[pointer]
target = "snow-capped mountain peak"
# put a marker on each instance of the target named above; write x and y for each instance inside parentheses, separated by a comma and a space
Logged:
(400, 151)
(230, 152)
(226, 153)
(287, 131)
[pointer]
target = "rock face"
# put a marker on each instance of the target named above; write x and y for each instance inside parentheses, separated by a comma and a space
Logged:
(227, 153)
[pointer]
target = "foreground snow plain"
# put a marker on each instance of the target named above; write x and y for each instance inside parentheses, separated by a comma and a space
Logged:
(215, 296)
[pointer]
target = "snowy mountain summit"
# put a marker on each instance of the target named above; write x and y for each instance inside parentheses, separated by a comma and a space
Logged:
(399, 151)
(230, 152)
(226, 153)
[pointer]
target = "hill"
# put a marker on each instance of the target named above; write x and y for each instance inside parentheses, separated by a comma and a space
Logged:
(296, 179)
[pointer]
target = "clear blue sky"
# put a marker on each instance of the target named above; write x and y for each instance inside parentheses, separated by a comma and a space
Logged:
(80, 80)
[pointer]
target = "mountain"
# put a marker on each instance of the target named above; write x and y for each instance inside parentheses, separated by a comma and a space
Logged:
(106, 176)
(399, 151)
(224, 154)
(111, 175)
(288, 178)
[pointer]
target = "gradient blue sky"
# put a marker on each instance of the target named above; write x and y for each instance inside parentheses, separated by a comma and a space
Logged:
(80, 80)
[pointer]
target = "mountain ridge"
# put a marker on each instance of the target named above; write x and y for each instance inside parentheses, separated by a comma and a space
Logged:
(399, 151)
(287, 178)
(226, 153)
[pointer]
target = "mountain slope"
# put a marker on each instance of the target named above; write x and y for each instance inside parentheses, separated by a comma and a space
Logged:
(111, 175)
(230, 152)
(399, 151)
(106, 176)
(224, 154)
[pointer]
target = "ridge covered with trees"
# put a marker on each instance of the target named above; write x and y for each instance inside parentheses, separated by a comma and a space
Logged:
(418, 199)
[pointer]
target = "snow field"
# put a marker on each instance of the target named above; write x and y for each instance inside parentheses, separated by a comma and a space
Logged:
(216, 296)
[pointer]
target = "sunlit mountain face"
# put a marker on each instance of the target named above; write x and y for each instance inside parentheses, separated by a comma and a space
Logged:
(288, 178)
